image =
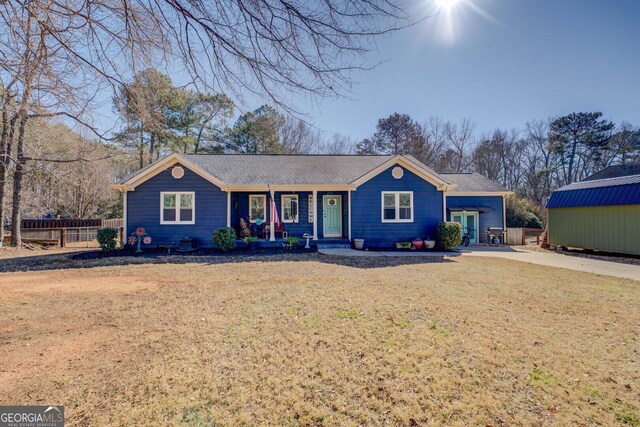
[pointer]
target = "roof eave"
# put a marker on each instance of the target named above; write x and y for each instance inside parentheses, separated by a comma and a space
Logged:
(481, 193)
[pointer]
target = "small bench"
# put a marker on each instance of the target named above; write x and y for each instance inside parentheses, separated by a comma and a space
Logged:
(168, 246)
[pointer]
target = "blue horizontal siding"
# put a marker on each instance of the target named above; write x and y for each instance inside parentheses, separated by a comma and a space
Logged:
(143, 208)
(485, 219)
(366, 216)
(601, 196)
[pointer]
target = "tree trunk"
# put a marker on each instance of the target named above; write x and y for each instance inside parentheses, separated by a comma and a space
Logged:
(4, 158)
(152, 146)
(16, 215)
(6, 148)
(574, 148)
(141, 147)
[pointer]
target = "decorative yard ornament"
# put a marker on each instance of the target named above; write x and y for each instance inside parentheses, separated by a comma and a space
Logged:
(139, 237)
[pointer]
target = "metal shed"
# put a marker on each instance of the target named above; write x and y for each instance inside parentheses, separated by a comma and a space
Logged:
(600, 214)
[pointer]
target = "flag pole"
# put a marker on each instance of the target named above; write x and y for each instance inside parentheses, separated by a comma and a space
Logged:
(272, 211)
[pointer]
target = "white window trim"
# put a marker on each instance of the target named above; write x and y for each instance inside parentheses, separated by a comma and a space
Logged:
(264, 204)
(291, 196)
(397, 205)
(311, 209)
(178, 194)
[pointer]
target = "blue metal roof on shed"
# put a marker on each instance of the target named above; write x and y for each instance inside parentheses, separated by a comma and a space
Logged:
(602, 192)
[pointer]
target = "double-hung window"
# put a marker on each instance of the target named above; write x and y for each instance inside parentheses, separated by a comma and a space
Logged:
(177, 208)
(397, 206)
(289, 208)
(257, 207)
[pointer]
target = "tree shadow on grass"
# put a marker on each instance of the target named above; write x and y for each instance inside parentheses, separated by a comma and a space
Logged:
(93, 259)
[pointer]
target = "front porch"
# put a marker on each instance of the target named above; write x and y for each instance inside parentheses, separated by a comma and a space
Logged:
(325, 215)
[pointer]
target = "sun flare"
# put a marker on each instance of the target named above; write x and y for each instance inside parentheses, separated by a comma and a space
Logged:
(447, 4)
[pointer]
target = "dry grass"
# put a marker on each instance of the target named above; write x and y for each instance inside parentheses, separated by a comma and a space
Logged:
(475, 341)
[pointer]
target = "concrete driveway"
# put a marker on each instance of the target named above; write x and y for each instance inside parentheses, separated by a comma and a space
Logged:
(549, 259)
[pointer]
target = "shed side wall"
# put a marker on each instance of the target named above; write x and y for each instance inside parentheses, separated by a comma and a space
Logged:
(605, 228)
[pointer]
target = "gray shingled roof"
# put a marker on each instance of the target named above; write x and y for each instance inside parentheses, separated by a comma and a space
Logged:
(278, 169)
(244, 169)
(471, 182)
(615, 172)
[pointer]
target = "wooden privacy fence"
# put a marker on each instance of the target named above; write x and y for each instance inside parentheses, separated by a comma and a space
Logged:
(30, 224)
(522, 235)
(75, 232)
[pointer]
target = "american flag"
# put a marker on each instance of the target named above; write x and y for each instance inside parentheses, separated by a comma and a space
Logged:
(273, 209)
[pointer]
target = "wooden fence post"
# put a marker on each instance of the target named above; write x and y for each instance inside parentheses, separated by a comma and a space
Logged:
(63, 237)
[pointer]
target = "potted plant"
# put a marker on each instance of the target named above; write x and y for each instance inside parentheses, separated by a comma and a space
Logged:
(417, 243)
(403, 245)
(429, 244)
(290, 243)
(359, 242)
(251, 242)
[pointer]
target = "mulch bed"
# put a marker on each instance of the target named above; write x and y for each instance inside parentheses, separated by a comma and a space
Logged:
(41, 260)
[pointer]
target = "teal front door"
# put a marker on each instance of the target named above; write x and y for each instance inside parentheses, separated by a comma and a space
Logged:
(332, 216)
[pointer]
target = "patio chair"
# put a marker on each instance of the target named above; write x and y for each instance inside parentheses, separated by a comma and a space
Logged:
(278, 228)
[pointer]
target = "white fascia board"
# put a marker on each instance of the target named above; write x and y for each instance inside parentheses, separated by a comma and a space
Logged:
(168, 161)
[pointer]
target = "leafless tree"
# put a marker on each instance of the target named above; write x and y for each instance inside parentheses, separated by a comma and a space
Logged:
(499, 156)
(56, 54)
(336, 144)
(434, 144)
(538, 161)
(298, 137)
(459, 140)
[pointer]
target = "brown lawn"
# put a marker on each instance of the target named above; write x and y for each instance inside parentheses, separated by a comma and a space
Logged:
(472, 341)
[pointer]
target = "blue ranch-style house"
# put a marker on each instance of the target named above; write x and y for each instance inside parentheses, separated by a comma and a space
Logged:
(334, 198)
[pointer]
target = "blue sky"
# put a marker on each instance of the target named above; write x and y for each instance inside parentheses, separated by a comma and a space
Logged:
(508, 61)
(499, 63)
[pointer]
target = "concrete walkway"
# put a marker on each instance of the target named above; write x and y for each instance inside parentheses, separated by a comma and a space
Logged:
(549, 259)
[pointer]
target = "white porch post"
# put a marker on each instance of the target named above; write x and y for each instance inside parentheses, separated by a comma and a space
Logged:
(315, 214)
(228, 208)
(504, 213)
(349, 213)
(272, 231)
(504, 219)
(123, 243)
(444, 205)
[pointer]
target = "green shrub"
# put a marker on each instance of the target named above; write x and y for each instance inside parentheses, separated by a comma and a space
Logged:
(520, 213)
(107, 238)
(449, 235)
(225, 238)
